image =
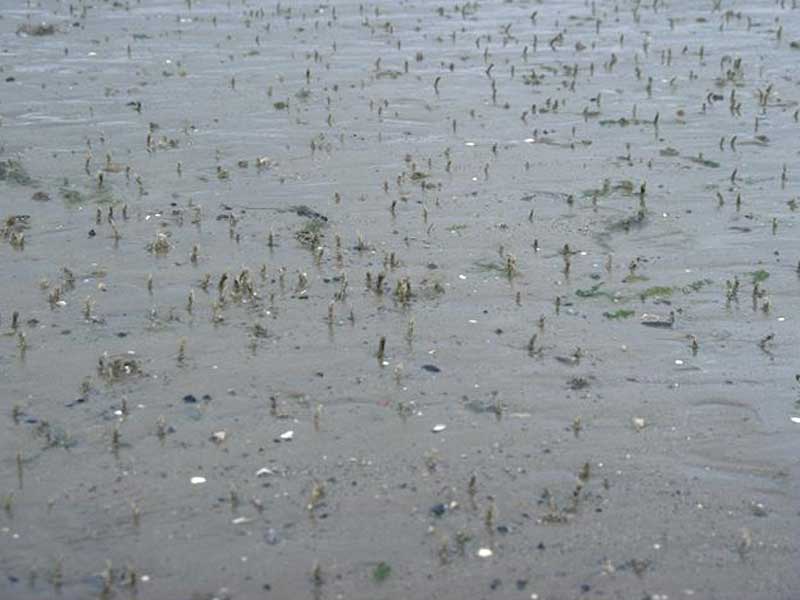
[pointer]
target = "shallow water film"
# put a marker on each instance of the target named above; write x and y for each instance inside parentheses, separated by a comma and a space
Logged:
(400, 299)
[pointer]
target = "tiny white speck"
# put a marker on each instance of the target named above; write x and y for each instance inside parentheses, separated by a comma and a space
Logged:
(485, 552)
(678, 361)
(438, 428)
(197, 480)
(287, 435)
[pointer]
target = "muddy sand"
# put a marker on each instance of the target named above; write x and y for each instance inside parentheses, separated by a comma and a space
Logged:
(400, 299)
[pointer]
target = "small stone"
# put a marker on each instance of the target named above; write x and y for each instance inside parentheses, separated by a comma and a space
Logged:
(263, 472)
(638, 423)
(651, 320)
(438, 509)
(219, 436)
(795, 420)
(190, 399)
(485, 552)
(287, 435)
(271, 536)
(431, 368)
(439, 428)
(197, 480)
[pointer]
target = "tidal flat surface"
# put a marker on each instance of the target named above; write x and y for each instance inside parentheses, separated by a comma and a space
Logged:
(400, 299)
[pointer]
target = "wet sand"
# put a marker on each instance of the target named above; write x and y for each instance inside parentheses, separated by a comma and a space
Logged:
(573, 225)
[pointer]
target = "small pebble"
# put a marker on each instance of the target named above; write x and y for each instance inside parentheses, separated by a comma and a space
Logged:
(485, 552)
(287, 435)
(197, 480)
(271, 536)
(439, 428)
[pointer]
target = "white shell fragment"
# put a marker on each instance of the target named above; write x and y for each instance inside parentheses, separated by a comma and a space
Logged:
(197, 480)
(287, 435)
(638, 423)
(263, 472)
(485, 552)
(795, 420)
(219, 436)
(439, 428)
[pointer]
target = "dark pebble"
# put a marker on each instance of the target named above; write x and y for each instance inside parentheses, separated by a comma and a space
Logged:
(438, 509)
(496, 583)
(431, 368)
(522, 584)
(92, 233)
(503, 529)
(190, 399)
